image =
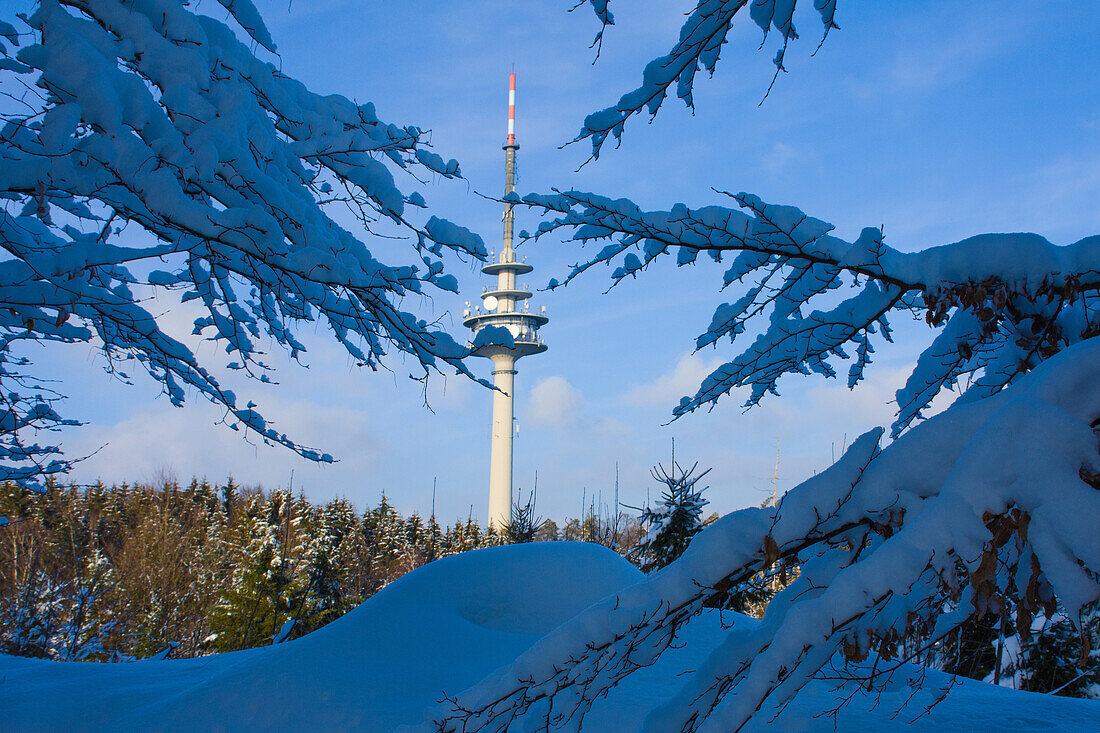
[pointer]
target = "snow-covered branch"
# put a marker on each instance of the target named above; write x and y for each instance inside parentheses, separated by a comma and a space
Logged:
(988, 507)
(1000, 495)
(1008, 300)
(153, 115)
(699, 47)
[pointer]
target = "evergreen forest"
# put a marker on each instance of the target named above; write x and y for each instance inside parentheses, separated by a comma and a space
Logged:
(143, 570)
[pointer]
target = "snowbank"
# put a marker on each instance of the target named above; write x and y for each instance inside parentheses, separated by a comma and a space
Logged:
(441, 629)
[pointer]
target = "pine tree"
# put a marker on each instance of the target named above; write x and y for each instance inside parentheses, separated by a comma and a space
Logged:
(468, 536)
(524, 524)
(341, 535)
(162, 599)
(249, 613)
(84, 632)
(675, 520)
(229, 499)
(1052, 656)
(321, 600)
(30, 616)
(492, 536)
(595, 529)
(257, 604)
(548, 532)
(572, 531)
(434, 544)
(1060, 659)
(385, 544)
(60, 618)
(415, 540)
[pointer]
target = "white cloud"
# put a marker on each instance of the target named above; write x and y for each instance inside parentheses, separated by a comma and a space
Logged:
(554, 403)
(667, 389)
(158, 440)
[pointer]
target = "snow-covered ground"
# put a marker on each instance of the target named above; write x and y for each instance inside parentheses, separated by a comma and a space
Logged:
(440, 629)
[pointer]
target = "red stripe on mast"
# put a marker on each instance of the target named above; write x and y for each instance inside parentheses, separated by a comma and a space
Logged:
(512, 108)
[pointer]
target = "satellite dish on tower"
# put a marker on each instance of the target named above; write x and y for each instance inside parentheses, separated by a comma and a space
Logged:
(491, 303)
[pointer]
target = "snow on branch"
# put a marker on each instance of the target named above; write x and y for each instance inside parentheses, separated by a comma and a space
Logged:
(1006, 301)
(153, 115)
(700, 44)
(987, 501)
(599, 7)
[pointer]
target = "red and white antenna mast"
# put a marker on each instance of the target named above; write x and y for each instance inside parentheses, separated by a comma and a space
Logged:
(512, 108)
(505, 306)
(510, 149)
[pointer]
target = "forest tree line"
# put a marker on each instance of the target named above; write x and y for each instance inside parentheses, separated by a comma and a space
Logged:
(133, 571)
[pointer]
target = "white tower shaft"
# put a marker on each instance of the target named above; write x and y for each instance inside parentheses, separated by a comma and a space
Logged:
(504, 365)
(500, 459)
(501, 312)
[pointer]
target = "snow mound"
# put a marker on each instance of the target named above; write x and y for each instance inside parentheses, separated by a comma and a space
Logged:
(438, 629)
(441, 629)
(521, 589)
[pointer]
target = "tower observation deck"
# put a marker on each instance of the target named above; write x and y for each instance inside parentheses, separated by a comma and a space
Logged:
(500, 306)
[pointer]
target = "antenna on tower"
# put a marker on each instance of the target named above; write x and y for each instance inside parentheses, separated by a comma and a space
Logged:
(512, 108)
(510, 148)
(500, 308)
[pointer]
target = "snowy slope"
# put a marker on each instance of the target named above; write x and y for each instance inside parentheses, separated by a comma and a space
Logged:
(442, 628)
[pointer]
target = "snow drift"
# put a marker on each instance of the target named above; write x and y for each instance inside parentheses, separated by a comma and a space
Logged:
(439, 630)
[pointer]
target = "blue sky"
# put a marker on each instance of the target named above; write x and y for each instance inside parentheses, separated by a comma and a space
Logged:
(936, 120)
